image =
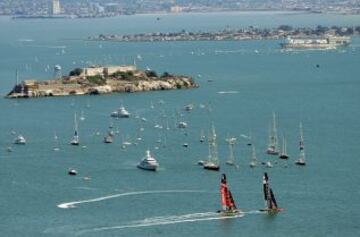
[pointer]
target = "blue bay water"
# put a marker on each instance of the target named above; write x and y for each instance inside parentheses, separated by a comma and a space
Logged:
(320, 199)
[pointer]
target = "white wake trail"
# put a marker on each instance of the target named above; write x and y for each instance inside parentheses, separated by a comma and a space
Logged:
(73, 204)
(165, 220)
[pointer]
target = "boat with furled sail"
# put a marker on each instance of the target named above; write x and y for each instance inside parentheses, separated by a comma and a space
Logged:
(271, 206)
(75, 141)
(283, 155)
(213, 161)
(253, 162)
(301, 160)
(231, 160)
(273, 139)
(228, 206)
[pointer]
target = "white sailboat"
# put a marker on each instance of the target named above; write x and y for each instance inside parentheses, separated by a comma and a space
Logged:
(56, 143)
(283, 154)
(75, 141)
(301, 160)
(213, 161)
(231, 160)
(273, 139)
(253, 162)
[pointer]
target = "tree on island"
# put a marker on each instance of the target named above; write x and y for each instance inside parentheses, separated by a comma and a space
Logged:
(151, 73)
(166, 74)
(76, 72)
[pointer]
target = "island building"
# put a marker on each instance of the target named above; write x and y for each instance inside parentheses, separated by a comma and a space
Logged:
(106, 71)
(55, 7)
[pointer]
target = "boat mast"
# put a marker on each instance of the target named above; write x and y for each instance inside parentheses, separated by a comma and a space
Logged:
(17, 77)
(274, 132)
(301, 145)
(76, 135)
(253, 155)
(213, 153)
(231, 141)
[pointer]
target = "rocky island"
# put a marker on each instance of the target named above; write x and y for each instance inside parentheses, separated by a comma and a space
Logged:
(101, 80)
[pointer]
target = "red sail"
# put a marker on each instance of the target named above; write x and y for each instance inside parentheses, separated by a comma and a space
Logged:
(227, 201)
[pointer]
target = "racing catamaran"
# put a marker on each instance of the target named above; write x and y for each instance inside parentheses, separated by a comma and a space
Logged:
(270, 201)
(227, 202)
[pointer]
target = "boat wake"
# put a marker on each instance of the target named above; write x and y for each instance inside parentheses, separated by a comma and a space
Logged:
(227, 92)
(99, 199)
(168, 220)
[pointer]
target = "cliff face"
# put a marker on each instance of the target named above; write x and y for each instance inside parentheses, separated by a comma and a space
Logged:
(136, 81)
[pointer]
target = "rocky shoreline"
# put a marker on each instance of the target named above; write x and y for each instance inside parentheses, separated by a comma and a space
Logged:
(101, 80)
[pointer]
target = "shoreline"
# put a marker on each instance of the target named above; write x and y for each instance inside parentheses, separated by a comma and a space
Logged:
(233, 34)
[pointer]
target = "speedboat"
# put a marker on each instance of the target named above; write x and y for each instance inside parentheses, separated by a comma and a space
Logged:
(148, 163)
(20, 140)
(120, 113)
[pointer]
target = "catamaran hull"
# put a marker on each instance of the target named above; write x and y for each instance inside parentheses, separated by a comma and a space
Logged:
(230, 213)
(272, 211)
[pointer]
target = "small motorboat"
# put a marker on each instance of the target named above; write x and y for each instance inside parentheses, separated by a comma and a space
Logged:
(211, 166)
(120, 113)
(182, 125)
(20, 140)
(72, 172)
(108, 138)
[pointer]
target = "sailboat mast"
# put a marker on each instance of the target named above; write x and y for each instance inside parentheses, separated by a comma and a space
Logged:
(75, 125)
(214, 153)
(274, 131)
(17, 77)
(301, 145)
